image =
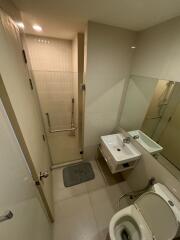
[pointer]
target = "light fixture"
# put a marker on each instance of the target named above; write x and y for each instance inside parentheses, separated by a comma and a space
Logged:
(37, 28)
(133, 47)
(20, 25)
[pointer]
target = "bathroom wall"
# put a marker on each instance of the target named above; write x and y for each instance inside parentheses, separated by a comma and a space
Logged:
(157, 51)
(108, 62)
(138, 97)
(157, 55)
(148, 167)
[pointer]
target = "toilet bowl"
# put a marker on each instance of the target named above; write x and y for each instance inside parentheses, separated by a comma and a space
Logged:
(130, 221)
(149, 218)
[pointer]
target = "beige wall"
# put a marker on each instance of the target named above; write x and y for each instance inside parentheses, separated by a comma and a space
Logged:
(148, 167)
(156, 56)
(138, 97)
(107, 66)
(157, 51)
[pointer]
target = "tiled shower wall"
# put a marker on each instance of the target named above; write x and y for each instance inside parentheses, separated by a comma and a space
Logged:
(50, 54)
(56, 93)
(51, 61)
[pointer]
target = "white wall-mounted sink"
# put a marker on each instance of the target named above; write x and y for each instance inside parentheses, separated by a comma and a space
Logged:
(150, 145)
(118, 155)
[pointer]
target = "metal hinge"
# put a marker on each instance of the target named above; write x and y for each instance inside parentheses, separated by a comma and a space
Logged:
(43, 136)
(37, 183)
(169, 119)
(31, 84)
(83, 87)
(24, 56)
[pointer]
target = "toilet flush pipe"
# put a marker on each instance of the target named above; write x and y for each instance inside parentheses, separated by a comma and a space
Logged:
(136, 193)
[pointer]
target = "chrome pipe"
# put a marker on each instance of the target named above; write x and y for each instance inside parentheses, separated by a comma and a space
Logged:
(149, 118)
(62, 130)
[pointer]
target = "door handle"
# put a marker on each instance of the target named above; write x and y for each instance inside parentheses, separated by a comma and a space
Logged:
(7, 216)
(43, 175)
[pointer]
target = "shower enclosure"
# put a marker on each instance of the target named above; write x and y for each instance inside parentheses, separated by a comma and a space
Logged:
(58, 95)
(57, 69)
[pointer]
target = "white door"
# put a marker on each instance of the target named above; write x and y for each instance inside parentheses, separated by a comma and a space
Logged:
(18, 192)
(13, 71)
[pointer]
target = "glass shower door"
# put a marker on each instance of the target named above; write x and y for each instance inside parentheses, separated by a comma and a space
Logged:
(21, 214)
(58, 95)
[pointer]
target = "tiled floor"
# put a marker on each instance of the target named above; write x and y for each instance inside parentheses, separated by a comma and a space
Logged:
(83, 212)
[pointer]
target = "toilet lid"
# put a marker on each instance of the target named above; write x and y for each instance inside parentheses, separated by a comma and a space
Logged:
(158, 216)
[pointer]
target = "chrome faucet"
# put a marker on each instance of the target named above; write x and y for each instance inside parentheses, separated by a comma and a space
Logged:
(126, 140)
(136, 136)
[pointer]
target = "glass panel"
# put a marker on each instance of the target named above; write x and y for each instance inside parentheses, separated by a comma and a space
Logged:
(59, 99)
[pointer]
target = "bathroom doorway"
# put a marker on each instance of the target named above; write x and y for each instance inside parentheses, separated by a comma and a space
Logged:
(57, 69)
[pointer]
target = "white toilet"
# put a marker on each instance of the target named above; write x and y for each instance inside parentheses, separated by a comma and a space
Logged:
(154, 215)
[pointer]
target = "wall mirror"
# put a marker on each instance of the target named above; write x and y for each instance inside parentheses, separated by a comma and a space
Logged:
(151, 114)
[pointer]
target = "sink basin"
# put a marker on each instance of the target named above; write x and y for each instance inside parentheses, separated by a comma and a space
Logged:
(117, 154)
(150, 145)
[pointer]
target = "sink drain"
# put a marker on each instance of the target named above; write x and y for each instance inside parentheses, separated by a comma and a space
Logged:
(118, 149)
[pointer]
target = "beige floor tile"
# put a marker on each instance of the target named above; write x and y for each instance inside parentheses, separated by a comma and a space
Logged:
(60, 192)
(83, 212)
(69, 192)
(98, 182)
(57, 178)
(103, 209)
(114, 193)
(105, 204)
(74, 219)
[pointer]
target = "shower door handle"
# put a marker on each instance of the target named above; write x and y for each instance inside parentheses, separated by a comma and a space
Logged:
(7, 216)
(43, 175)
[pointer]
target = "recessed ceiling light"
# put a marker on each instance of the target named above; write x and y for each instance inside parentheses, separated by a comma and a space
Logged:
(37, 28)
(20, 25)
(133, 47)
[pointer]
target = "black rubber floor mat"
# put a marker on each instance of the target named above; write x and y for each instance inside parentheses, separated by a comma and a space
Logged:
(78, 173)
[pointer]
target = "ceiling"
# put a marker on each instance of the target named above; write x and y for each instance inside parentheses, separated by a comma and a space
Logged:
(63, 18)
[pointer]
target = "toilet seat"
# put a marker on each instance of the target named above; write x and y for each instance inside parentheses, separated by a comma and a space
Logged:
(151, 217)
(158, 216)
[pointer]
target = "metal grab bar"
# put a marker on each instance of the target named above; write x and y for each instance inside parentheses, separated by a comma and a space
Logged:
(57, 130)
(7, 216)
(148, 118)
